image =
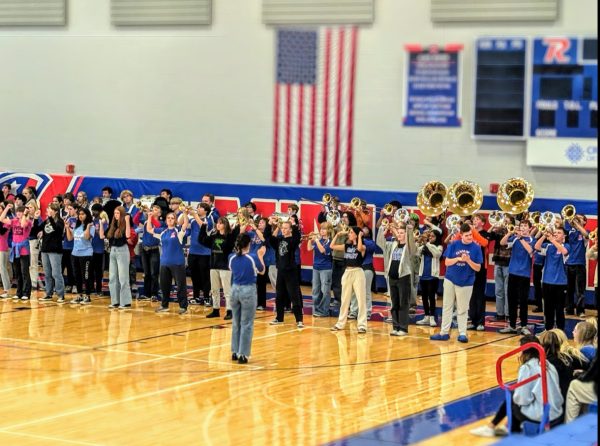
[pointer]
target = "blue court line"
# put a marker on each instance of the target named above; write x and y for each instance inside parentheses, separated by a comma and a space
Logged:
(430, 422)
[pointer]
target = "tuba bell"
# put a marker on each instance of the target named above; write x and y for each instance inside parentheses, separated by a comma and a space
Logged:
(401, 216)
(534, 218)
(496, 219)
(464, 197)
(515, 196)
(431, 198)
(547, 221)
(333, 218)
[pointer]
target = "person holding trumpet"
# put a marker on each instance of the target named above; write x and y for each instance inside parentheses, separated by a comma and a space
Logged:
(320, 244)
(399, 253)
(591, 253)
(430, 251)
(576, 263)
(554, 279)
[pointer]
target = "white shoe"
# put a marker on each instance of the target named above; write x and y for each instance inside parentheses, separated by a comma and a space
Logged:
(4, 295)
(424, 321)
(15, 297)
(483, 431)
(432, 322)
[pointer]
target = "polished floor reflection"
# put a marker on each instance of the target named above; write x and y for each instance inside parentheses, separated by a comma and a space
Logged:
(89, 376)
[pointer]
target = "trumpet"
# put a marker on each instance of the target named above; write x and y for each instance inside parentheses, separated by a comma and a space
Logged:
(568, 213)
(593, 235)
(185, 208)
(388, 209)
(534, 218)
(281, 217)
(334, 218)
(401, 216)
(142, 206)
(310, 236)
(496, 219)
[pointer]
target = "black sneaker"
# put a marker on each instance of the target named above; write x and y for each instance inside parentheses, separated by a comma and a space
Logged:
(46, 298)
(215, 313)
(229, 315)
(194, 301)
(208, 302)
(77, 300)
(125, 307)
(352, 316)
(234, 357)
(161, 309)
(183, 310)
(242, 360)
(86, 300)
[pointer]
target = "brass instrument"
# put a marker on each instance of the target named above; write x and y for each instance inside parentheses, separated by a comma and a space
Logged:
(515, 196)
(388, 209)
(568, 213)
(534, 218)
(464, 197)
(310, 236)
(142, 206)
(385, 222)
(231, 218)
(431, 199)
(496, 219)
(145, 202)
(452, 223)
(281, 217)
(401, 216)
(333, 217)
(326, 198)
(510, 228)
(593, 235)
(547, 221)
(356, 203)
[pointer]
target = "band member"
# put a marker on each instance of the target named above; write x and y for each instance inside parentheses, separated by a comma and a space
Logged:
(592, 254)
(213, 214)
(501, 259)
(399, 252)
(150, 253)
(576, 265)
(82, 200)
(244, 266)
(34, 242)
(166, 194)
(353, 279)
(369, 270)
(554, 278)
(172, 261)
(82, 236)
(477, 303)
(127, 199)
(339, 261)
(4, 264)
(319, 243)
(269, 260)
(395, 206)
(220, 241)
(538, 268)
(20, 226)
(519, 274)
(100, 220)
(199, 254)
(118, 271)
(463, 260)
(70, 219)
(287, 286)
(251, 208)
(429, 273)
(52, 230)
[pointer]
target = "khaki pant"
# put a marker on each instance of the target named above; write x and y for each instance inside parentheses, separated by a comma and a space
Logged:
(459, 295)
(353, 280)
(220, 278)
(579, 393)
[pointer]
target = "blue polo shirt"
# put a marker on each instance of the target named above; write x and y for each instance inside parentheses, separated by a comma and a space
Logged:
(461, 274)
(172, 248)
(196, 247)
(244, 268)
(577, 243)
(520, 260)
(322, 261)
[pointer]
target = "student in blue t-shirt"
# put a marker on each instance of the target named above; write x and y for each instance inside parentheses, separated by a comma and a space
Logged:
(576, 265)
(70, 218)
(429, 272)
(554, 278)
(82, 236)
(319, 243)
(519, 276)
(100, 218)
(463, 260)
(244, 267)
(199, 255)
(172, 260)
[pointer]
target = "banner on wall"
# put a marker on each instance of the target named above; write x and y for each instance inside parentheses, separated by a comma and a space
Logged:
(432, 87)
(268, 199)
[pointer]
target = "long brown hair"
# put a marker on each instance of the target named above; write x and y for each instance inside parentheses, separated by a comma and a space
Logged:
(117, 227)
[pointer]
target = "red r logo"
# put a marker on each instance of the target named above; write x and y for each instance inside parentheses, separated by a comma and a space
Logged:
(556, 47)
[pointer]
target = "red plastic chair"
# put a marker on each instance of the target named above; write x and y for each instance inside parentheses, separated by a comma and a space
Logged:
(545, 422)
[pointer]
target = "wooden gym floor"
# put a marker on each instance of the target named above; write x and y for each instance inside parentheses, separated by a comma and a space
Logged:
(88, 376)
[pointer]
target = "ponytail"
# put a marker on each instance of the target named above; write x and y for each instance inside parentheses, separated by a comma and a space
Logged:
(241, 242)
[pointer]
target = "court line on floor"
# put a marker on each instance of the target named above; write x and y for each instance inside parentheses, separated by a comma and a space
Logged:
(44, 437)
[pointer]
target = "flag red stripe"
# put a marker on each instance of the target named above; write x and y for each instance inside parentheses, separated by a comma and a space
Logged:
(276, 135)
(313, 110)
(338, 110)
(300, 149)
(288, 132)
(325, 105)
(351, 107)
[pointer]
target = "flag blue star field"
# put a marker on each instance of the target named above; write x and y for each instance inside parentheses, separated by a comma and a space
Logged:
(314, 106)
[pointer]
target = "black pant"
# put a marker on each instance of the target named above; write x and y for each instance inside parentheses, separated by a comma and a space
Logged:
(261, 289)
(554, 306)
(150, 264)
(98, 270)
(518, 297)
(21, 267)
(167, 274)
(576, 284)
(428, 290)
(517, 416)
(67, 263)
(339, 266)
(83, 274)
(132, 272)
(200, 273)
(286, 288)
(400, 290)
(477, 302)
(537, 284)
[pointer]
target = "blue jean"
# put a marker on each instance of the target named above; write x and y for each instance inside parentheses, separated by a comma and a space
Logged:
(501, 289)
(321, 291)
(118, 276)
(52, 263)
(243, 307)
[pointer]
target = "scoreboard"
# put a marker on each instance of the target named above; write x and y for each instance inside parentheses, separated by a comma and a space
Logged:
(564, 93)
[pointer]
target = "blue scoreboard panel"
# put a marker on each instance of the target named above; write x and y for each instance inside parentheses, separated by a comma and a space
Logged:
(564, 93)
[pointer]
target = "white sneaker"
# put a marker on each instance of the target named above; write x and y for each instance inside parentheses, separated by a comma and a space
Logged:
(501, 431)
(483, 431)
(424, 321)
(402, 333)
(16, 297)
(432, 321)
(525, 331)
(480, 328)
(4, 295)
(24, 297)
(300, 324)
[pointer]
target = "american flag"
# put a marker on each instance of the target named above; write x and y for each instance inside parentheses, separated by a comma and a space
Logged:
(314, 106)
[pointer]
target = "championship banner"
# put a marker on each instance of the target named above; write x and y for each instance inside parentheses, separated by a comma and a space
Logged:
(432, 88)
